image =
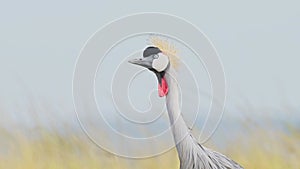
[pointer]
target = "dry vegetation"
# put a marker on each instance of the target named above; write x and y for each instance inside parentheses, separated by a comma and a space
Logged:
(53, 151)
(50, 149)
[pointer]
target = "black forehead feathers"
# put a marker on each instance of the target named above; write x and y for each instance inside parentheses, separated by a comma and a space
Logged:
(151, 50)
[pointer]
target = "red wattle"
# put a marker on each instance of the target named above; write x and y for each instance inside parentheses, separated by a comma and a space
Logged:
(163, 88)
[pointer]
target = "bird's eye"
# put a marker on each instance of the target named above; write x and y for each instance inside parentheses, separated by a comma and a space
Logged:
(155, 56)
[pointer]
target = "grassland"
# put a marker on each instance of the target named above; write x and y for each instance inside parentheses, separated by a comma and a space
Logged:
(40, 147)
(49, 150)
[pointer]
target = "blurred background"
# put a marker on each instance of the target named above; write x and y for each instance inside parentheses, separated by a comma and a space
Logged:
(258, 43)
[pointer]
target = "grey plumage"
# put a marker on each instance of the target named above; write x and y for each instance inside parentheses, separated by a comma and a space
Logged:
(191, 154)
(194, 156)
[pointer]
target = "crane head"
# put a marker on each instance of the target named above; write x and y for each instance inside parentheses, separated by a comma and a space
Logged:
(157, 62)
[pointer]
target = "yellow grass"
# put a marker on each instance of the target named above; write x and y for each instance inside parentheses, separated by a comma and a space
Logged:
(268, 151)
(49, 150)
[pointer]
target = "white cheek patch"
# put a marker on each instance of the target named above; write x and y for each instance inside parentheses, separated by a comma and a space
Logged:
(160, 63)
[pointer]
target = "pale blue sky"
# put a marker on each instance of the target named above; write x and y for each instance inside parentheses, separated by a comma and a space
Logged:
(258, 43)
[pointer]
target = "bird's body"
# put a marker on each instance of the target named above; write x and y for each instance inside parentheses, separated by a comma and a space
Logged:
(191, 154)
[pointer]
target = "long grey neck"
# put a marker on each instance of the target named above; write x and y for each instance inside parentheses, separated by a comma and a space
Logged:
(179, 127)
(187, 147)
(190, 153)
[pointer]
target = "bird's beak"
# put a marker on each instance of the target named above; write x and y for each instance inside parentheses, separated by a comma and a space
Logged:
(141, 62)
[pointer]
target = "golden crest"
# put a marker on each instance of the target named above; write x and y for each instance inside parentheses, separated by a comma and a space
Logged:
(167, 48)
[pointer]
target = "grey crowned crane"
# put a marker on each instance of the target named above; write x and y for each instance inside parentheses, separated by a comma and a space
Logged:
(192, 155)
